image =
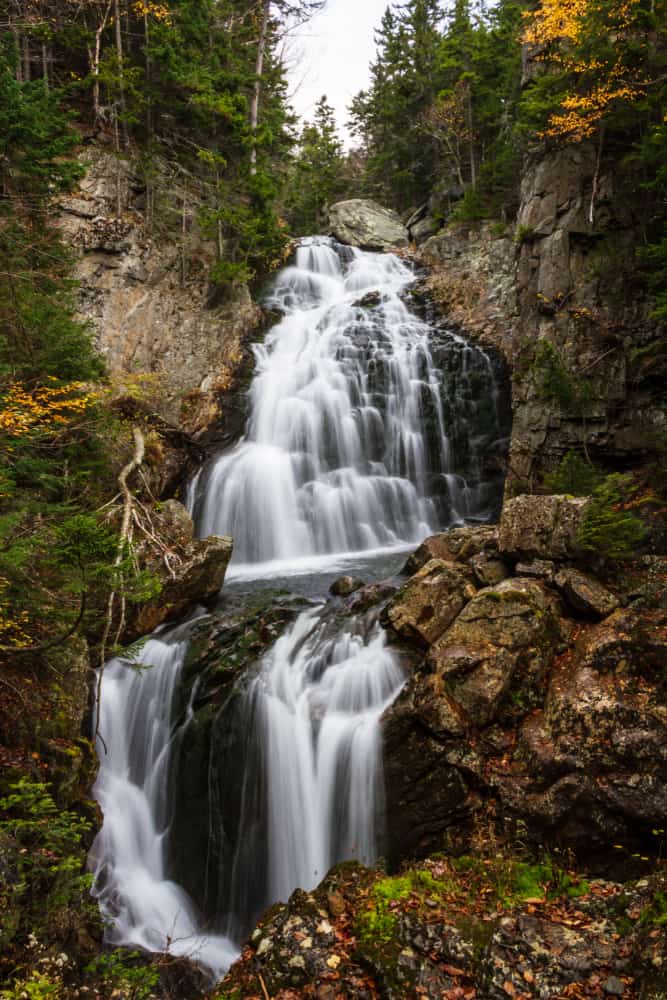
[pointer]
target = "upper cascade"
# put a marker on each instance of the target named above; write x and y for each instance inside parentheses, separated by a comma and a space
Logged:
(350, 444)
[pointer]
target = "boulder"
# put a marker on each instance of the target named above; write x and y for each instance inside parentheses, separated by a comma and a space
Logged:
(430, 601)
(542, 527)
(584, 594)
(365, 224)
(345, 585)
(488, 571)
(193, 573)
(508, 630)
(455, 545)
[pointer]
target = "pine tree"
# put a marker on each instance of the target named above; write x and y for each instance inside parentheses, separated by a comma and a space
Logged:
(317, 178)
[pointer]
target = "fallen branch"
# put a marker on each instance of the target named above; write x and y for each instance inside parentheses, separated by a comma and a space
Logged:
(123, 541)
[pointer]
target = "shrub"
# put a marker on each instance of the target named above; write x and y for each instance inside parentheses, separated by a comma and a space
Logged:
(574, 476)
(608, 527)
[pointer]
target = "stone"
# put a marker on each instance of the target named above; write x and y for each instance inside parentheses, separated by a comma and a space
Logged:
(366, 224)
(585, 594)
(504, 630)
(455, 545)
(542, 527)
(345, 585)
(430, 601)
(195, 572)
(539, 569)
(488, 571)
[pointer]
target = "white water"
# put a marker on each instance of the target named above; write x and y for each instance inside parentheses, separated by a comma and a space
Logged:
(336, 456)
(143, 907)
(350, 448)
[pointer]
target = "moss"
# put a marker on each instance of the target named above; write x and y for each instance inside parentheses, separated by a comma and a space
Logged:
(655, 914)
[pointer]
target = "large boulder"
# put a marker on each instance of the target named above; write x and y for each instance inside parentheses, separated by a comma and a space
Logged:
(542, 527)
(585, 594)
(430, 601)
(190, 570)
(365, 224)
(505, 630)
(457, 545)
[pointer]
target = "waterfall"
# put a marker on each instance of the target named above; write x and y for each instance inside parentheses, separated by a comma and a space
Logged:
(347, 446)
(367, 430)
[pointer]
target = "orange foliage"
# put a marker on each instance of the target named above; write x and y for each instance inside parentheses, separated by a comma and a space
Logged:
(560, 26)
(24, 410)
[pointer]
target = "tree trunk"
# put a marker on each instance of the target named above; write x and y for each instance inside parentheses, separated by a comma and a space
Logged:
(121, 78)
(257, 89)
(95, 62)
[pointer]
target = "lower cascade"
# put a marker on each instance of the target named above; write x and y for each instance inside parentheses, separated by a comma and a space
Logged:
(367, 431)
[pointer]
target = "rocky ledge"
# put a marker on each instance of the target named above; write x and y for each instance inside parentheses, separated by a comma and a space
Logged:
(487, 927)
(365, 224)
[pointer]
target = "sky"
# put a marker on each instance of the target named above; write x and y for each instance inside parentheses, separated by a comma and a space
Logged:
(331, 55)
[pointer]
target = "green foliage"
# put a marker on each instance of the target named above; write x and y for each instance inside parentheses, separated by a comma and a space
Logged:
(124, 973)
(317, 178)
(48, 854)
(655, 914)
(555, 382)
(609, 528)
(574, 476)
(37, 986)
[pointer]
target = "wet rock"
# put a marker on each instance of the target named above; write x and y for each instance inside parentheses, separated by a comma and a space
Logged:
(368, 301)
(345, 585)
(430, 601)
(456, 545)
(585, 594)
(369, 596)
(507, 630)
(424, 795)
(542, 527)
(365, 224)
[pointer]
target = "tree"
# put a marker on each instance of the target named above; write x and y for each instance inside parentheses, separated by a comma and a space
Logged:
(317, 178)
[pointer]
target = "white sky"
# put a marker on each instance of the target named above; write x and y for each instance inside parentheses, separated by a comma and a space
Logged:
(331, 55)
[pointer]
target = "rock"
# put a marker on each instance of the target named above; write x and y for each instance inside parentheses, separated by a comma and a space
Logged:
(455, 545)
(507, 630)
(368, 301)
(424, 795)
(430, 601)
(488, 571)
(539, 569)
(345, 585)
(597, 754)
(585, 594)
(542, 527)
(365, 224)
(195, 574)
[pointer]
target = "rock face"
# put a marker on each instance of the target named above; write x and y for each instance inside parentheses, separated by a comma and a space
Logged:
(522, 701)
(148, 301)
(554, 278)
(542, 527)
(365, 224)
(194, 573)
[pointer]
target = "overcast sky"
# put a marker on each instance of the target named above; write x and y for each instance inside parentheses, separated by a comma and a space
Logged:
(331, 55)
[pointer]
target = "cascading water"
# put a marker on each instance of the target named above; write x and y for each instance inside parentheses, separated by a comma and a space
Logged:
(363, 435)
(346, 447)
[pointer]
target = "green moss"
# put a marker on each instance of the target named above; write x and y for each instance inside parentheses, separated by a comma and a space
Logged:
(655, 914)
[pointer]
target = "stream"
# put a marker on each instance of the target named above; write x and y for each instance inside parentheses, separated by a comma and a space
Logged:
(369, 428)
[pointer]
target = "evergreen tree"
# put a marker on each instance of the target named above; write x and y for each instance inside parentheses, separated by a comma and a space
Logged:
(317, 178)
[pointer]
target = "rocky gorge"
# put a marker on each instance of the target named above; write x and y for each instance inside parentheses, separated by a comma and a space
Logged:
(534, 709)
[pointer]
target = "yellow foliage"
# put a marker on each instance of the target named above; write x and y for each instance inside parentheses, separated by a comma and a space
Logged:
(24, 410)
(145, 8)
(12, 629)
(559, 26)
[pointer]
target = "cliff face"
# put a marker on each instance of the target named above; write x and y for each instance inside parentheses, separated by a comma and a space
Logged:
(566, 277)
(142, 269)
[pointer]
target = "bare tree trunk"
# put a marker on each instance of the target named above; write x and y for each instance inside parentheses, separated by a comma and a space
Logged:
(257, 89)
(121, 77)
(471, 139)
(95, 61)
(596, 177)
(45, 64)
